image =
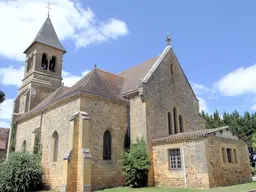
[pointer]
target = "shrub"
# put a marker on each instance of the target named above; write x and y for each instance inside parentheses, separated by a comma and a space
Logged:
(136, 164)
(21, 172)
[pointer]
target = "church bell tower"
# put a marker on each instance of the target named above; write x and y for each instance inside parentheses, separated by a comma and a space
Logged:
(43, 68)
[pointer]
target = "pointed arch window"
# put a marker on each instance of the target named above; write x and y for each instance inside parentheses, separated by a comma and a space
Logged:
(52, 64)
(169, 123)
(44, 63)
(55, 146)
(181, 123)
(175, 120)
(107, 146)
(24, 146)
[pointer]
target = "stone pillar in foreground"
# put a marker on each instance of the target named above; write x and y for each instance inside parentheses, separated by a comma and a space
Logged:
(84, 155)
(77, 161)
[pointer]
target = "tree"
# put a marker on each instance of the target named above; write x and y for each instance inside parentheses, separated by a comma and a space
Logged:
(136, 164)
(22, 171)
(244, 126)
(2, 96)
(253, 140)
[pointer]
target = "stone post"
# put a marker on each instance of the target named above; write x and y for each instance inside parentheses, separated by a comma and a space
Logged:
(77, 161)
(84, 155)
(69, 179)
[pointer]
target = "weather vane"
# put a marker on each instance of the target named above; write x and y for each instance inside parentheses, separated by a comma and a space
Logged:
(168, 39)
(49, 7)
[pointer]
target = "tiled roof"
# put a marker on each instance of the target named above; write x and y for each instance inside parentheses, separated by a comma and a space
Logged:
(50, 99)
(189, 135)
(97, 82)
(48, 36)
(132, 77)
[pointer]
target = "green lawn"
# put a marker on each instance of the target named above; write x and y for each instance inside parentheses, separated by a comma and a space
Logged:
(234, 188)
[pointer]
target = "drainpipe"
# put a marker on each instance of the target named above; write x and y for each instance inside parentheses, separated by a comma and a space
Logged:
(184, 167)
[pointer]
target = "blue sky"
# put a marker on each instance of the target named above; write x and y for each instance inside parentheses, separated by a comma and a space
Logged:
(213, 40)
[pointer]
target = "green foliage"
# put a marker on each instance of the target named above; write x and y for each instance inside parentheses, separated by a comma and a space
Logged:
(21, 172)
(127, 141)
(136, 164)
(244, 126)
(13, 138)
(2, 96)
(253, 141)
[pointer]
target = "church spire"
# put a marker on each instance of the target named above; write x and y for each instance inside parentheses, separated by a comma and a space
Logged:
(47, 35)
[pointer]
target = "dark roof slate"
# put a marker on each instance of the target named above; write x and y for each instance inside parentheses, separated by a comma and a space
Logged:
(99, 82)
(189, 135)
(47, 36)
(132, 77)
(50, 99)
(96, 82)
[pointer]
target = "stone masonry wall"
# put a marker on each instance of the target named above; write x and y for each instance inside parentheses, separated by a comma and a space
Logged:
(57, 119)
(106, 115)
(195, 167)
(137, 118)
(164, 91)
(196, 164)
(224, 174)
(25, 133)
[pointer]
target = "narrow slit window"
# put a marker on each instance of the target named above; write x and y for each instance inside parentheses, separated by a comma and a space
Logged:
(181, 123)
(171, 69)
(235, 156)
(169, 123)
(229, 155)
(175, 120)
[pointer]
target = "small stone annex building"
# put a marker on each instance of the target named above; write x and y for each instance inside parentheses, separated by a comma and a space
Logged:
(81, 129)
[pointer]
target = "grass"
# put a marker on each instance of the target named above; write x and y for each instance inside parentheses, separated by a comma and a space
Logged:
(235, 188)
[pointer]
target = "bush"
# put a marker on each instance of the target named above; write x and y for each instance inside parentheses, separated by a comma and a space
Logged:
(21, 172)
(136, 164)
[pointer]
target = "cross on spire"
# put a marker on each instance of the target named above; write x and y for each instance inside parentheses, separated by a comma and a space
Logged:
(49, 7)
(168, 39)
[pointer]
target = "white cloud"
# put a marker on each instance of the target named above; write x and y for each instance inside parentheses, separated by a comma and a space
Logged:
(11, 75)
(6, 109)
(253, 107)
(70, 79)
(4, 124)
(199, 88)
(14, 76)
(202, 104)
(238, 82)
(22, 19)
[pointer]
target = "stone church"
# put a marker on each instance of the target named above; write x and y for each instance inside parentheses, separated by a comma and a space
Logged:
(80, 130)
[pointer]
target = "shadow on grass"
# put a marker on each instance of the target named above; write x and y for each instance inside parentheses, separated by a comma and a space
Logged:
(235, 188)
